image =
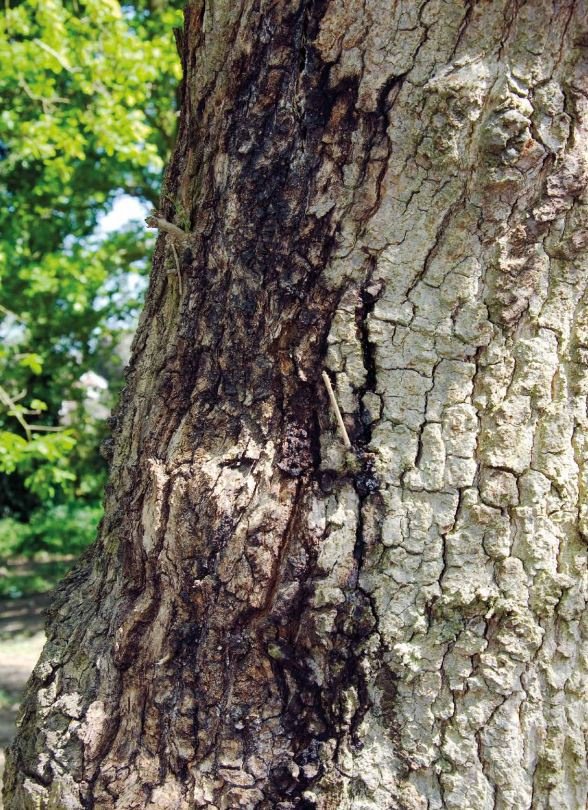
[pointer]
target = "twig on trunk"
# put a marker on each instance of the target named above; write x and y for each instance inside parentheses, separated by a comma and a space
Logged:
(340, 422)
(177, 260)
(176, 235)
(167, 227)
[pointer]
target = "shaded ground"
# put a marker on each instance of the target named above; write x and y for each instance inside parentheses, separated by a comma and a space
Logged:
(21, 640)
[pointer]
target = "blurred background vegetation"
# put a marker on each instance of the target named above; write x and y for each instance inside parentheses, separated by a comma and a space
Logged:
(87, 120)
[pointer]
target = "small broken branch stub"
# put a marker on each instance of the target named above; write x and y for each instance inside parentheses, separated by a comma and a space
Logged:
(162, 224)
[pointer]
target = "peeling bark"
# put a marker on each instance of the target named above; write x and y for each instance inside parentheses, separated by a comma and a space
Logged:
(394, 192)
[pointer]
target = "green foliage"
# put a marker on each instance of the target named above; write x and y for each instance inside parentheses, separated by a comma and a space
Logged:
(13, 537)
(51, 449)
(48, 539)
(7, 700)
(63, 529)
(41, 577)
(86, 114)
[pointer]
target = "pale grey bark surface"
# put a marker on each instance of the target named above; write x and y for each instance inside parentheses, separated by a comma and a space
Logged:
(394, 192)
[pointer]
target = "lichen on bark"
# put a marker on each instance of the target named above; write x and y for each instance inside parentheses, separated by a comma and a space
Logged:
(394, 192)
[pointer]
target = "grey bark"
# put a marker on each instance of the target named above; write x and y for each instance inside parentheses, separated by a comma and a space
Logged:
(394, 192)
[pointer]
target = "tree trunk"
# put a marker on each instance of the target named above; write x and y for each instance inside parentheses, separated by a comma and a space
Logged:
(393, 192)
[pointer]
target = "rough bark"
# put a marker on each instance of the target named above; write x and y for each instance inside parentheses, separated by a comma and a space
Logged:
(394, 192)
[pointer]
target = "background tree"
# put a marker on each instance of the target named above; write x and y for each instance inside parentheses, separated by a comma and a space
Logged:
(86, 94)
(394, 193)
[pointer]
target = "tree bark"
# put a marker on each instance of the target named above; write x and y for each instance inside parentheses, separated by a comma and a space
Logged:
(393, 192)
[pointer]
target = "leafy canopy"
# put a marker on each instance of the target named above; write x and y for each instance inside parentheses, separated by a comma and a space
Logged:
(86, 114)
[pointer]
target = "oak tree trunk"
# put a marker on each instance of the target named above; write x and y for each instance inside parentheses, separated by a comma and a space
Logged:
(393, 192)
